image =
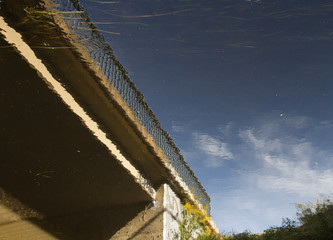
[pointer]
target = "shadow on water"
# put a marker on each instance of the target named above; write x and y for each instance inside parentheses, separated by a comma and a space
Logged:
(63, 179)
(53, 172)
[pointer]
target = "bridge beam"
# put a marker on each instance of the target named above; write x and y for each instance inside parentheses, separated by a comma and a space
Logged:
(53, 165)
(58, 179)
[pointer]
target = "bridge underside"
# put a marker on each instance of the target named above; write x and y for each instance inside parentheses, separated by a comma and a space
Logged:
(54, 166)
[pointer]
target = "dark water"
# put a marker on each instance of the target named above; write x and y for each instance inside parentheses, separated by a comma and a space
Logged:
(243, 87)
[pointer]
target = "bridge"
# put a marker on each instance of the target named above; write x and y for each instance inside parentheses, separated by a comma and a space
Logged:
(82, 155)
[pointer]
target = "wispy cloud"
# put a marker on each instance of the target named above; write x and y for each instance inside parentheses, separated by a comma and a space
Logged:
(177, 128)
(216, 150)
(278, 161)
(288, 159)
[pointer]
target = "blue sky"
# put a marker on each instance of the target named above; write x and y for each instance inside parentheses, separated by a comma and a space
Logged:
(245, 89)
(255, 173)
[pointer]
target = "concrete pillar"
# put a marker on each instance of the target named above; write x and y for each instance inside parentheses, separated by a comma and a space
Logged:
(158, 221)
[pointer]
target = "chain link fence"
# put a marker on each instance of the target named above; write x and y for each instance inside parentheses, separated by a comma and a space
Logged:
(87, 33)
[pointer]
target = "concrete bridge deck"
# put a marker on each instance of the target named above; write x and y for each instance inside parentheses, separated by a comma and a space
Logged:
(72, 173)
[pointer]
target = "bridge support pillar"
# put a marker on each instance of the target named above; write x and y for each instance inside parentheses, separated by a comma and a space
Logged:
(159, 220)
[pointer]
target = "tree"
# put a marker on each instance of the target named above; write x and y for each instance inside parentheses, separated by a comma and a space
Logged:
(316, 219)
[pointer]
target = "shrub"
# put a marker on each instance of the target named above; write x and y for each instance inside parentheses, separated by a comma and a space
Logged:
(194, 224)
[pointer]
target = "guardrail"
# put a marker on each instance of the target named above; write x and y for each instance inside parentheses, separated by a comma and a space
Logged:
(77, 20)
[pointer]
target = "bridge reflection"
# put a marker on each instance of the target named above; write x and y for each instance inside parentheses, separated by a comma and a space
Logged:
(82, 168)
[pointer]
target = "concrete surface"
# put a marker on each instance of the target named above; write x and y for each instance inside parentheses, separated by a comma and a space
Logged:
(52, 164)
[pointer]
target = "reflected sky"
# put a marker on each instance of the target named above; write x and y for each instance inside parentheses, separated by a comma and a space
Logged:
(244, 87)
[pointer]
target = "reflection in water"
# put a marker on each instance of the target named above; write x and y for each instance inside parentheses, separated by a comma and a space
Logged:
(211, 64)
(249, 64)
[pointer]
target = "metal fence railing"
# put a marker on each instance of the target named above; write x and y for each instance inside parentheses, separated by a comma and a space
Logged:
(77, 20)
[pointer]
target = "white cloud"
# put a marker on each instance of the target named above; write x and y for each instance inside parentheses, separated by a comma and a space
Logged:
(279, 161)
(216, 150)
(249, 137)
(288, 161)
(295, 177)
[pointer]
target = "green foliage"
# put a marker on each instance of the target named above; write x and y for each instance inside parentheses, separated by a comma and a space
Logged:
(210, 236)
(247, 235)
(316, 219)
(309, 212)
(288, 230)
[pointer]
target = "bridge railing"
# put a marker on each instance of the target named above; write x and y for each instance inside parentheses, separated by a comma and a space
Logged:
(77, 20)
